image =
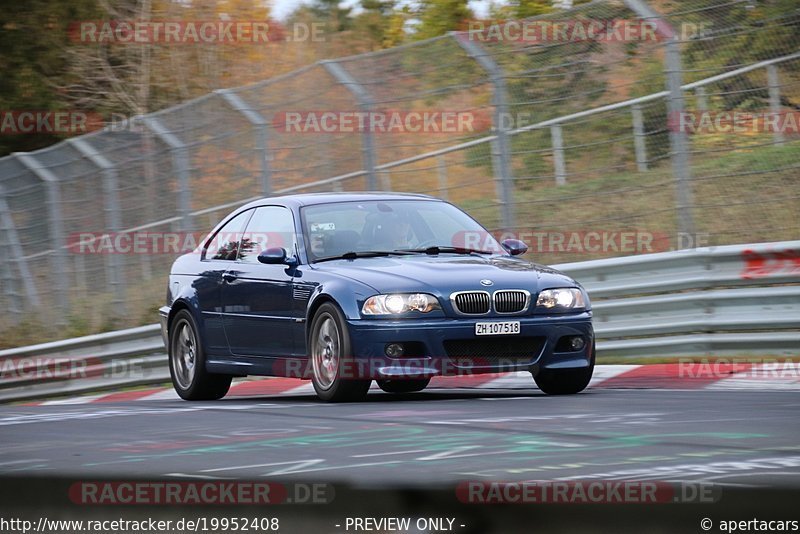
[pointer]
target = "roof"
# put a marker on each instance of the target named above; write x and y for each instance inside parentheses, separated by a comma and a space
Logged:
(308, 199)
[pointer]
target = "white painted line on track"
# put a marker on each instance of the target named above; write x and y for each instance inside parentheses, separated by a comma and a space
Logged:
(74, 400)
(167, 394)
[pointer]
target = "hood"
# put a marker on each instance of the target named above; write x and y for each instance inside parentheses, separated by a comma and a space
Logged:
(444, 274)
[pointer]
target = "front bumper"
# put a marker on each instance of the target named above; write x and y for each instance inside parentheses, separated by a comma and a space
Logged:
(369, 338)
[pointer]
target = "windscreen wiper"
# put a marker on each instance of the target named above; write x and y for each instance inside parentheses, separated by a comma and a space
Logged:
(432, 251)
(351, 255)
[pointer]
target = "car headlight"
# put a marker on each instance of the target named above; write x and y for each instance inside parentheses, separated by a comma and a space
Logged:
(395, 304)
(565, 298)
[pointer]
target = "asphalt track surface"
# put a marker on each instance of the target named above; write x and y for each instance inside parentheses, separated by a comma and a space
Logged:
(745, 439)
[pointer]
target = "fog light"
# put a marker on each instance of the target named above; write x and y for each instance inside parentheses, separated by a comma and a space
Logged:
(394, 350)
(577, 343)
(570, 344)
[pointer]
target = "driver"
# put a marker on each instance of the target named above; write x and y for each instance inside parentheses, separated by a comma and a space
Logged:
(392, 232)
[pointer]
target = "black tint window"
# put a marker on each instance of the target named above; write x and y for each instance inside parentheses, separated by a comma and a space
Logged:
(225, 243)
(271, 226)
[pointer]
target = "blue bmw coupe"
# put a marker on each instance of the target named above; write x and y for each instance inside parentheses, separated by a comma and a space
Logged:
(344, 288)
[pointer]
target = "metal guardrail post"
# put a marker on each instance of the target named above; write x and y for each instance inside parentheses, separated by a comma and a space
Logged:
(14, 256)
(260, 127)
(180, 163)
(775, 100)
(58, 257)
(501, 145)
(559, 164)
(365, 102)
(639, 139)
(679, 141)
(111, 207)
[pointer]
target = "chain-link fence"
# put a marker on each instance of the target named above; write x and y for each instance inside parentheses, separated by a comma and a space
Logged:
(605, 130)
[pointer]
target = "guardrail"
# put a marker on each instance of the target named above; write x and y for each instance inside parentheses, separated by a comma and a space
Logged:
(99, 362)
(721, 300)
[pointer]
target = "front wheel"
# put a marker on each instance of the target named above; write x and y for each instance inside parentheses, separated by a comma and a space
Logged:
(565, 381)
(331, 358)
(187, 362)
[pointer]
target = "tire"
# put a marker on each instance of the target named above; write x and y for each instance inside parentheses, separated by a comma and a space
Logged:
(187, 362)
(330, 354)
(565, 381)
(403, 386)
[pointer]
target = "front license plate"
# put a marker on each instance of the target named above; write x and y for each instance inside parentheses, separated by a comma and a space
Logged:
(497, 328)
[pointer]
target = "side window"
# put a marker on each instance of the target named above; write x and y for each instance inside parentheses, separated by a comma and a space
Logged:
(271, 226)
(225, 243)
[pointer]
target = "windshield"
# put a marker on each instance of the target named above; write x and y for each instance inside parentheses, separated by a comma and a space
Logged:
(338, 228)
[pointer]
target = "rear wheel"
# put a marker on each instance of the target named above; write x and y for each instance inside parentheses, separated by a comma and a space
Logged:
(187, 362)
(331, 358)
(403, 386)
(565, 381)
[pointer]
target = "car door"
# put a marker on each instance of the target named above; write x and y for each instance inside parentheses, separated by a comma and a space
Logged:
(218, 255)
(257, 298)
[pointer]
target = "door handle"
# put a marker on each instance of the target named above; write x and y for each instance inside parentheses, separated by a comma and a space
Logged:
(228, 277)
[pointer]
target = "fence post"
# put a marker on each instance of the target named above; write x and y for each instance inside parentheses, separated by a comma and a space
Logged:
(111, 207)
(501, 148)
(261, 140)
(701, 99)
(365, 102)
(679, 142)
(559, 164)
(56, 230)
(442, 171)
(9, 292)
(180, 163)
(639, 139)
(775, 101)
(14, 253)
(386, 180)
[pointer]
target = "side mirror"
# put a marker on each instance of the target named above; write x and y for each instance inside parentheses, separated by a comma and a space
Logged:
(515, 247)
(272, 256)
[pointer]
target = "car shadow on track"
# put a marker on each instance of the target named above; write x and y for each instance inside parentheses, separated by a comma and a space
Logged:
(426, 396)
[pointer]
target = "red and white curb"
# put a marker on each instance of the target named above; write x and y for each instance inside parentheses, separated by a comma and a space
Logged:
(707, 376)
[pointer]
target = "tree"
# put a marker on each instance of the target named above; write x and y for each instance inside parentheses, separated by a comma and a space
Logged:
(395, 33)
(379, 21)
(437, 17)
(333, 14)
(531, 8)
(33, 37)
